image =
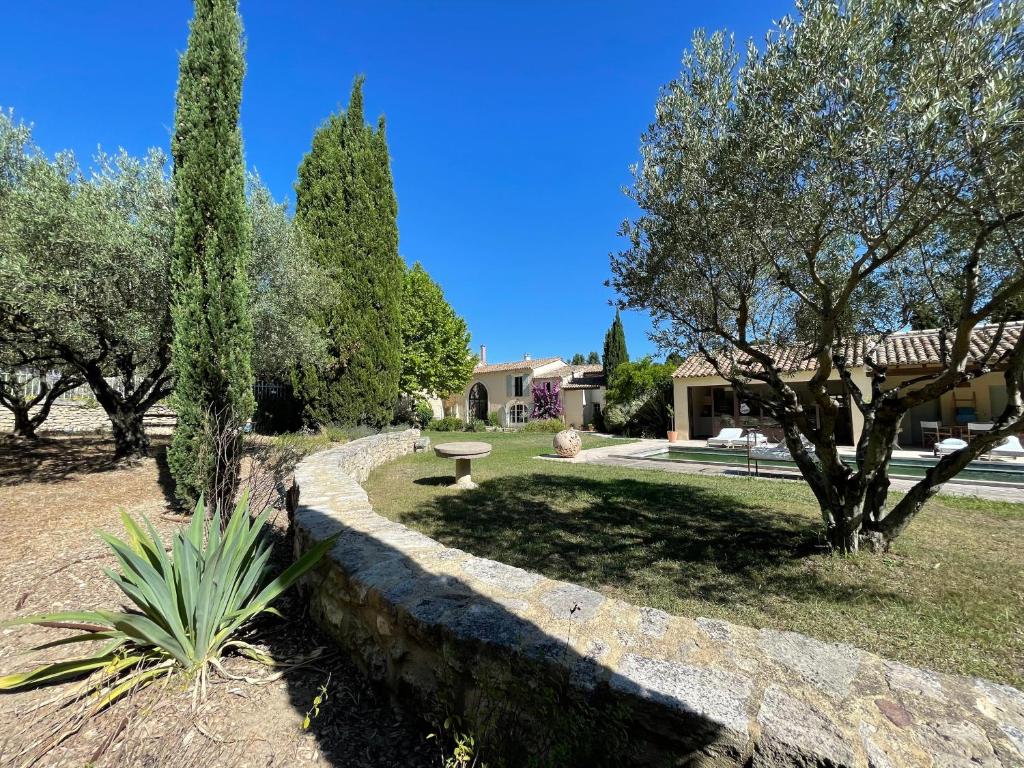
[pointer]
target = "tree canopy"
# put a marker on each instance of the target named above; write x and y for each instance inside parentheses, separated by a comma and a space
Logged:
(347, 211)
(84, 260)
(864, 168)
(615, 346)
(436, 357)
(284, 286)
(212, 343)
(639, 396)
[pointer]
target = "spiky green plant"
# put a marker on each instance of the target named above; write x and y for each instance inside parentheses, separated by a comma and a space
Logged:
(190, 602)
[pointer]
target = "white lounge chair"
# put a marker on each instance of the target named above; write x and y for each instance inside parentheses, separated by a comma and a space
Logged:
(949, 445)
(729, 437)
(755, 439)
(1011, 449)
(781, 450)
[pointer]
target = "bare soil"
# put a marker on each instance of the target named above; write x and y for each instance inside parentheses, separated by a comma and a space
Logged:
(54, 495)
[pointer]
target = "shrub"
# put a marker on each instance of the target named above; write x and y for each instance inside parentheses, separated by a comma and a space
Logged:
(190, 602)
(544, 425)
(547, 403)
(476, 425)
(412, 411)
(494, 418)
(424, 414)
(447, 424)
(638, 398)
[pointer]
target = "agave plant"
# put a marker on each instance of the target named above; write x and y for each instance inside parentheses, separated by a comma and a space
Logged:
(189, 603)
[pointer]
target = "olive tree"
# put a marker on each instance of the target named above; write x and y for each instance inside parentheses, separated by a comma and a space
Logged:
(51, 377)
(284, 285)
(84, 263)
(802, 203)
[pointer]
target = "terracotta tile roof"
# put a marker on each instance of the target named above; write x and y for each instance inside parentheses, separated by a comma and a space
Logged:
(908, 348)
(573, 370)
(584, 377)
(518, 365)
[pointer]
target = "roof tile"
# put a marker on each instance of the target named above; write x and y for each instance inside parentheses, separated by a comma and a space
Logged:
(908, 348)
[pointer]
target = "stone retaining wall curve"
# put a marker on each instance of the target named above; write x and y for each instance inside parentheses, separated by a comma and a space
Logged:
(423, 618)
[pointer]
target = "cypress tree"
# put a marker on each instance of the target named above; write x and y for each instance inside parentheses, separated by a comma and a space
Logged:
(615, 346)
(346, 207)
(212, 329)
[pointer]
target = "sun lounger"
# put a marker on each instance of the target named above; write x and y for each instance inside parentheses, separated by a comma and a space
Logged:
(1011, 449)
(949, 445)
(729, 437)
(780, 451)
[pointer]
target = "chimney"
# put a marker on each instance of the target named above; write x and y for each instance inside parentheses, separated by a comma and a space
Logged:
(526, 356)
(483, 354)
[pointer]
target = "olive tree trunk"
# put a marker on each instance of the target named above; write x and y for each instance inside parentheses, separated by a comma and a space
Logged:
(27, 423)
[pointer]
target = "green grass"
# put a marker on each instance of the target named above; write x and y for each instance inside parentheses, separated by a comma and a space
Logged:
(950, 595)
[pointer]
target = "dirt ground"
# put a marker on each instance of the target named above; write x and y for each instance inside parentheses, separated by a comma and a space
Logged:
(54, 496)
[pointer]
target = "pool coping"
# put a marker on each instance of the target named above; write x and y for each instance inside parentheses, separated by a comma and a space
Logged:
(775, 472)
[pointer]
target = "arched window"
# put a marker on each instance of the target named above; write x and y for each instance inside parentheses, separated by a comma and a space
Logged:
(518, 413)
(478, 402)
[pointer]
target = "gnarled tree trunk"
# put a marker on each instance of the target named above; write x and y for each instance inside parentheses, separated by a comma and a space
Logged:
(130, 439)
(27, 423)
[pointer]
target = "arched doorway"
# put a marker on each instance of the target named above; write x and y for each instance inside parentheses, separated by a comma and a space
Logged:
(478, 402)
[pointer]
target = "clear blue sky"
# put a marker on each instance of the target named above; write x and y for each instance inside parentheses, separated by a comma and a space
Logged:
(512, 125)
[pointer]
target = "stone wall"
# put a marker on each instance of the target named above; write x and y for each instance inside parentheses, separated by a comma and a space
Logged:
(441, 624)
(69, 417)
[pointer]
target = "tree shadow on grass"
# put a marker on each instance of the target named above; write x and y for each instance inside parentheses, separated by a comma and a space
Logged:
(438, 480)
(451, 653)
(661, 543)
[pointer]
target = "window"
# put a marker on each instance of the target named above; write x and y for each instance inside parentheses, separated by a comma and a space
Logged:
(547, 385)
(517, 414)
(518, 386)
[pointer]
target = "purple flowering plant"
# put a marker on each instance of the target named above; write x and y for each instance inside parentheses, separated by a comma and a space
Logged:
(547, 402)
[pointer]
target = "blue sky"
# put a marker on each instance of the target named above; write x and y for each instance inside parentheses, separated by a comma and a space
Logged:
(512, 125)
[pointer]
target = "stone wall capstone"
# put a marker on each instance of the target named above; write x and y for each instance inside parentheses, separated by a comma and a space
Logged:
(421, 617)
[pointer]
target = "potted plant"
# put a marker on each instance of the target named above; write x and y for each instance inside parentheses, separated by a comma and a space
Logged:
(672, 434)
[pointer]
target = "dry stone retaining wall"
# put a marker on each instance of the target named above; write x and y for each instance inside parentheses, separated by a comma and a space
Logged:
(422, 617)
(68, 417)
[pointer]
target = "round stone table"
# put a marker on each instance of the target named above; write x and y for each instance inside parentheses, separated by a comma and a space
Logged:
(463, 453)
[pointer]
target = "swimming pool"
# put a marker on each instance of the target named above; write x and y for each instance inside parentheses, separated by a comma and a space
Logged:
(988, 472)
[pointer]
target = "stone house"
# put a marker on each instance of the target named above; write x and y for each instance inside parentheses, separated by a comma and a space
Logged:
(705, 402)
(505, 389)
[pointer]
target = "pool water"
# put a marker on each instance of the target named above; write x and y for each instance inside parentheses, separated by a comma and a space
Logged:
(976, 471)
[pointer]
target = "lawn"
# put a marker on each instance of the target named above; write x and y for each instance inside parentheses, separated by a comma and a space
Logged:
(950, 596)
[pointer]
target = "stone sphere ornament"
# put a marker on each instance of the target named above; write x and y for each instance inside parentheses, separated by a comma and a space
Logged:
(567, 443)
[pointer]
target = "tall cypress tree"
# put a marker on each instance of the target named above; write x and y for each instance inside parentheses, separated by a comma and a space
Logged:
(345, 204)
(212, 329)
(615, 346)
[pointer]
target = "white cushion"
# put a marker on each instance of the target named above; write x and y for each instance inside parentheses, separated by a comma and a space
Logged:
(950, 444)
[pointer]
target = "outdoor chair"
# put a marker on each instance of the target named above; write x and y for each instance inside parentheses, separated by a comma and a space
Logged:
(729, 437)
(933, 432)
(1011, 449)
(975, 428)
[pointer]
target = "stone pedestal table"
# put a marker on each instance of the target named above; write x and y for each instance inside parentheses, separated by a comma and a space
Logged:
(463, 453)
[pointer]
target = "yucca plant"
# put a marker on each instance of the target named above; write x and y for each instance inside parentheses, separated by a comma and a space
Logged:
(189, 603)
